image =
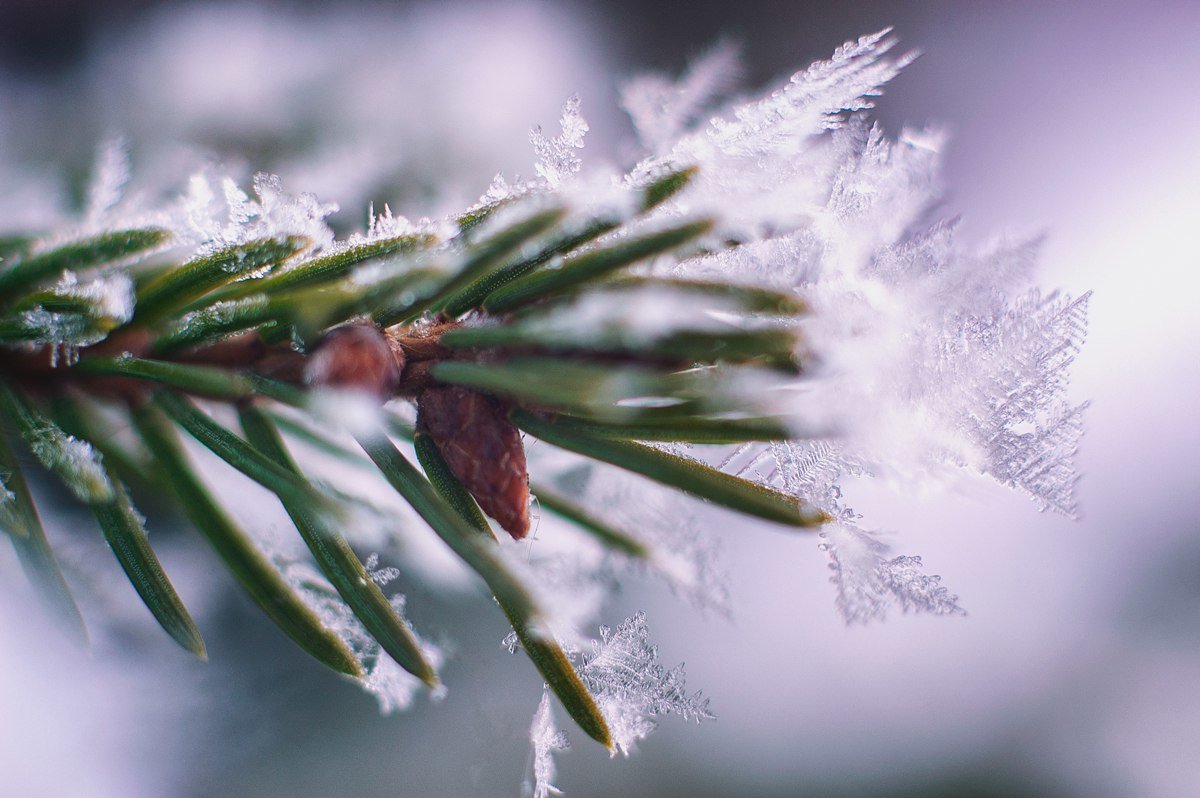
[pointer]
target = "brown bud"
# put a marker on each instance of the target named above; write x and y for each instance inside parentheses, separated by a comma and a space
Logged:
(482, 448)
(355, 357)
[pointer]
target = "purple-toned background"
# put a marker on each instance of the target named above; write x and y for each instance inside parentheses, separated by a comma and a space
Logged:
(1077, 670)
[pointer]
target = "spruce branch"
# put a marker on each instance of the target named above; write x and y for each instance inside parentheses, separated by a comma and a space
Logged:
(460, 327)
(756, 312)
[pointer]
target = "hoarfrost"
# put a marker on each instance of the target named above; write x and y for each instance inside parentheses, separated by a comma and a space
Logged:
(687, 558)
(557, 159)
(815, 98)
(630, 686)
(241, 219)
(569, 587)
(380, 575)
(545, 740)
(632, 689)
(923, 356)
(109, 177)
(73, 460)
(927, 356)
(386, 225)
(100, 304)
(109, 296)
(393, 688)
(662, 109)
(220, 313)
(762, 168)
(64, 333)
(1031, 434)
(869, 580)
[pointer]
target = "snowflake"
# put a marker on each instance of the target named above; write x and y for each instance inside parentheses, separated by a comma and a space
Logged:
(557, 159)
(380, 576)
(631, 687)
(868, 580)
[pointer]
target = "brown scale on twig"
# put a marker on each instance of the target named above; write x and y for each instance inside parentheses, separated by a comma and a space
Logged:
(482, 448)
(471, 430)
(356, 357)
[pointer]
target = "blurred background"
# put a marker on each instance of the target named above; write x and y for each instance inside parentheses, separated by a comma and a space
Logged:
(1076, 671)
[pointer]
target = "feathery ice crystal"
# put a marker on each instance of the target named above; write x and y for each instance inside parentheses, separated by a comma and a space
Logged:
(758, 312)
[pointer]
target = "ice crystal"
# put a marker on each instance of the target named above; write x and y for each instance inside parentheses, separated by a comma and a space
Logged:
(109, 296)
(545, 739)
(869, 580)
(762, 161)
(392, 686)
(386, 225)
(570, 584)
(100, 303)
(632, 688)
(110, 176)
(1030, 432)
(924, 355)
(380, 575)
(557, 159)
(815, 98)
(662, 109)
(219, 313)
(684, 556)
(272, 213)
(65, 333)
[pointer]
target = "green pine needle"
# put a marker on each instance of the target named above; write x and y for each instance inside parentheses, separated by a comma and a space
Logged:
(176, 288)
(689, 476)
(126, 535)
(33, 549)
(261, 581)
(445, 505)
(580, 269)
(338, 562)
(105, 248)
